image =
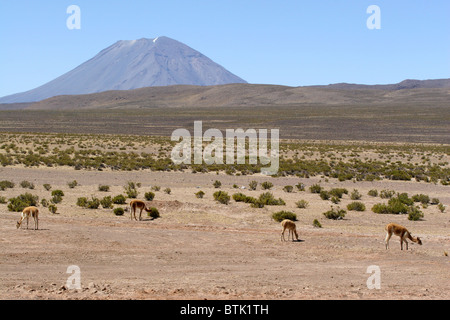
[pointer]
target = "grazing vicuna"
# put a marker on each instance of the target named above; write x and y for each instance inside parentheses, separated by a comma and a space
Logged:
(137, 204)
(26, 213)
(290, 225)
(402, 232)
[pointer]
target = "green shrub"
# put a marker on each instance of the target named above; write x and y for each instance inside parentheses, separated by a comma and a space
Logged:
(156, 188)
(355, 195)
(44, 203)
(317, 224)
(268, 199)
(338, 192)
(52, 208)
(27, 184)
(300, 186)
(288, 189)
(5, 184)
(82, 201)
(58, 193)
(131, 190)
(302, 204)
(217, 184)
(239, 197)
(56, 199)
(335, 213)
(119, 199)
(356, 206)
(335, 199)
(22, 201)
(252, 185)
(167, 190)
(414, 213)
(106, 202)
(266, 185)
(94, 203)
(222, 197)
(441, 207)
(149, 196)
(72, 184)
(422, 198)
(154, 213)
(315, 188)
(200, 194)
(103, 188)
(373, 193)
(119, 211)
(324, 195)
(282, 215)
(386, 194)
(47, 186)
(434, 201)
(3, 200)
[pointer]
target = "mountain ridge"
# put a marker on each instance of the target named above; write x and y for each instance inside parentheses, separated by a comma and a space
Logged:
(133, 64)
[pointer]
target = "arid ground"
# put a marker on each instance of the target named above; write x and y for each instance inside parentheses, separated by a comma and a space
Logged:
(201, 249)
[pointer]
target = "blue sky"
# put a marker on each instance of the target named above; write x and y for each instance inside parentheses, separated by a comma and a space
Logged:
(284, 42)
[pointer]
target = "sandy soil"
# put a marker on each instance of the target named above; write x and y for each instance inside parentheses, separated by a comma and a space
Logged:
(199, 249)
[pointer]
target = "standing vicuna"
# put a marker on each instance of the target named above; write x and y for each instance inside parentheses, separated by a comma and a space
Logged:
(26, 213)
(290, 225)
(402, 232)
(137, 204)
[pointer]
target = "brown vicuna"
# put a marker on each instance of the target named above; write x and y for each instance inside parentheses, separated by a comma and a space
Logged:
(290, 225)
(26, 213)
(137, 204)
(402, 232)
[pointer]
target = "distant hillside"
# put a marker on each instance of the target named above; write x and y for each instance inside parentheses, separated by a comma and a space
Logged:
(406, 84)
(242, 95)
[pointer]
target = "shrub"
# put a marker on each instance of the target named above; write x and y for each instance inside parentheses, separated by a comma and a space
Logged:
(282, 215)
(5, 184)
(156, 188)
(414, 213)
(22, 201)
(267, 198)
(386, 194)
(130, 190)
(315, 188)
(302, 204)
(72, 184)
(52, 208)
(154, 213)
(300, 186)
(356, 206)
(56, 199)
(167, 190)
(119, 211)
(27, 184)
(288, 189)
(441, 207)
(317, 224)
(239, 197)
(103, 188)
(107, 202)
(47, 186)
(3, 200)
(335, 199)
(403, 198)
(82, 201)
(252, 185)
(149, 196)
(373, 193)
(435, 201)
(335, 213)
(217, 184)
(355, 195)
(221, 197)
(422, 198)
(266, 185)
(200, 194)
(94, 203)
(58, 193)
(119, 199)
(324, 195)
(338, 192)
